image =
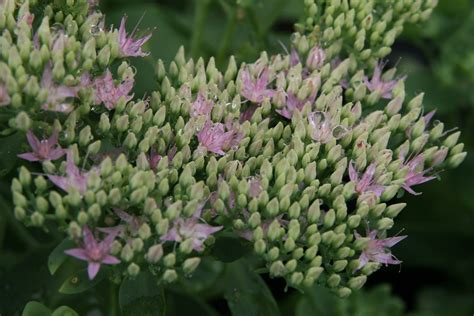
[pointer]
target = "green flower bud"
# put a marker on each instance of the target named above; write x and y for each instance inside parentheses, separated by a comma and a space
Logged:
(260, 246)
(169, 260)
(41, 204)
(333, 280)
(344, 292)
(154, 253)
(356, 283)
(19, 200)
(37, 219)
(456, 160)
(23, 122)
(19, 213)
(385, 223)
(169, 276)
(190, 265)
(74, 230)
(133, 269)
(127, 253)
(25, 177)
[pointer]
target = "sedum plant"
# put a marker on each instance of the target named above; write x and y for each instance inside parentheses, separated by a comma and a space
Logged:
(303, 157)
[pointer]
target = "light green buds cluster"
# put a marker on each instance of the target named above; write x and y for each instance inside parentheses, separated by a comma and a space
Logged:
(296, 154)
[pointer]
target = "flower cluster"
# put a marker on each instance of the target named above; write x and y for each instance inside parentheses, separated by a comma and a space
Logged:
(299, 154)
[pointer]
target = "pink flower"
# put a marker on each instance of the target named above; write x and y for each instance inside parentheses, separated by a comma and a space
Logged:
(130, 47)
(248, 113)
(190, 228)
(133, 222)
(323, 130)
(255, 187)
(316, 58)
(108, 93)
(94, 252)
(214, 138)
(256, 90)
(154, 158)
(293, 103)
(366, 182)
(74, 177)
(201, 106)
(416, 173)
(4, 96)
(45, 149)
(377, 84)
(57, 94)
(378, 250)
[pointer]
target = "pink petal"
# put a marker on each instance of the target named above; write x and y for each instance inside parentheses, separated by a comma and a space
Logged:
(110, 260)
(93, 269)
(392, 241)
(78, 253)
(353, 173)
(29, 157)
(33, 141)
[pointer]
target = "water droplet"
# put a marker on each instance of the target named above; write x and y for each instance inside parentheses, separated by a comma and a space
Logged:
(95, 29)
(339, 131)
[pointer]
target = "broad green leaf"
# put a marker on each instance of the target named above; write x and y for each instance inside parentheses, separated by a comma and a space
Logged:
(57, 256)
(64, 311)
(246, 293)
(79, 282)
(229, 249)
(36, 309)
(203, 279)
(10, 147)
(179, 304)
(142, 296)
(319, 301)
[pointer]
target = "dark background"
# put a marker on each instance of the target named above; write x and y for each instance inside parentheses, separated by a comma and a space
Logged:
(437, 274)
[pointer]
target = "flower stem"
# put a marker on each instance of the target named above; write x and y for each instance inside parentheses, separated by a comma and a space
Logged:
(200, 15)
(113, 299)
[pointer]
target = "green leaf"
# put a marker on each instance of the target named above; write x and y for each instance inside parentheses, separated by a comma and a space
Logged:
(36, 309)
(320, 301)
(79, 282)
(57, 256)
(204, 278)
(10, 147)
(246, 293)
(142, 296)
(229, 249)
(64, 311)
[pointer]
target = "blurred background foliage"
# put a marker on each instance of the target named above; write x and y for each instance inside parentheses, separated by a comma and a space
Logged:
(437, 275)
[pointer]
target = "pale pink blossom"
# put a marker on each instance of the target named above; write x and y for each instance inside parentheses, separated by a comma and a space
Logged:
(73, 178)
(293, 103)
(45, 149)
(94, 252)
(154, 158)
(255, 187)
(214, 138)
(191, 228)
(201, 106)
(416, 173)
(58, 95)
(378, 84)
(378, 250)
(316, 58)
(108, 93)
(322, 129)
(256, 89)
(366, 183)
(134, 222)
(130, 46)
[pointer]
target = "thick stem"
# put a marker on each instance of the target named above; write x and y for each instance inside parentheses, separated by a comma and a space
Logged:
(113, 300)
(200, 15)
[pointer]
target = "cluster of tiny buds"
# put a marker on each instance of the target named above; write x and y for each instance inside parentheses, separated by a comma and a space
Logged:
(299, 154)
